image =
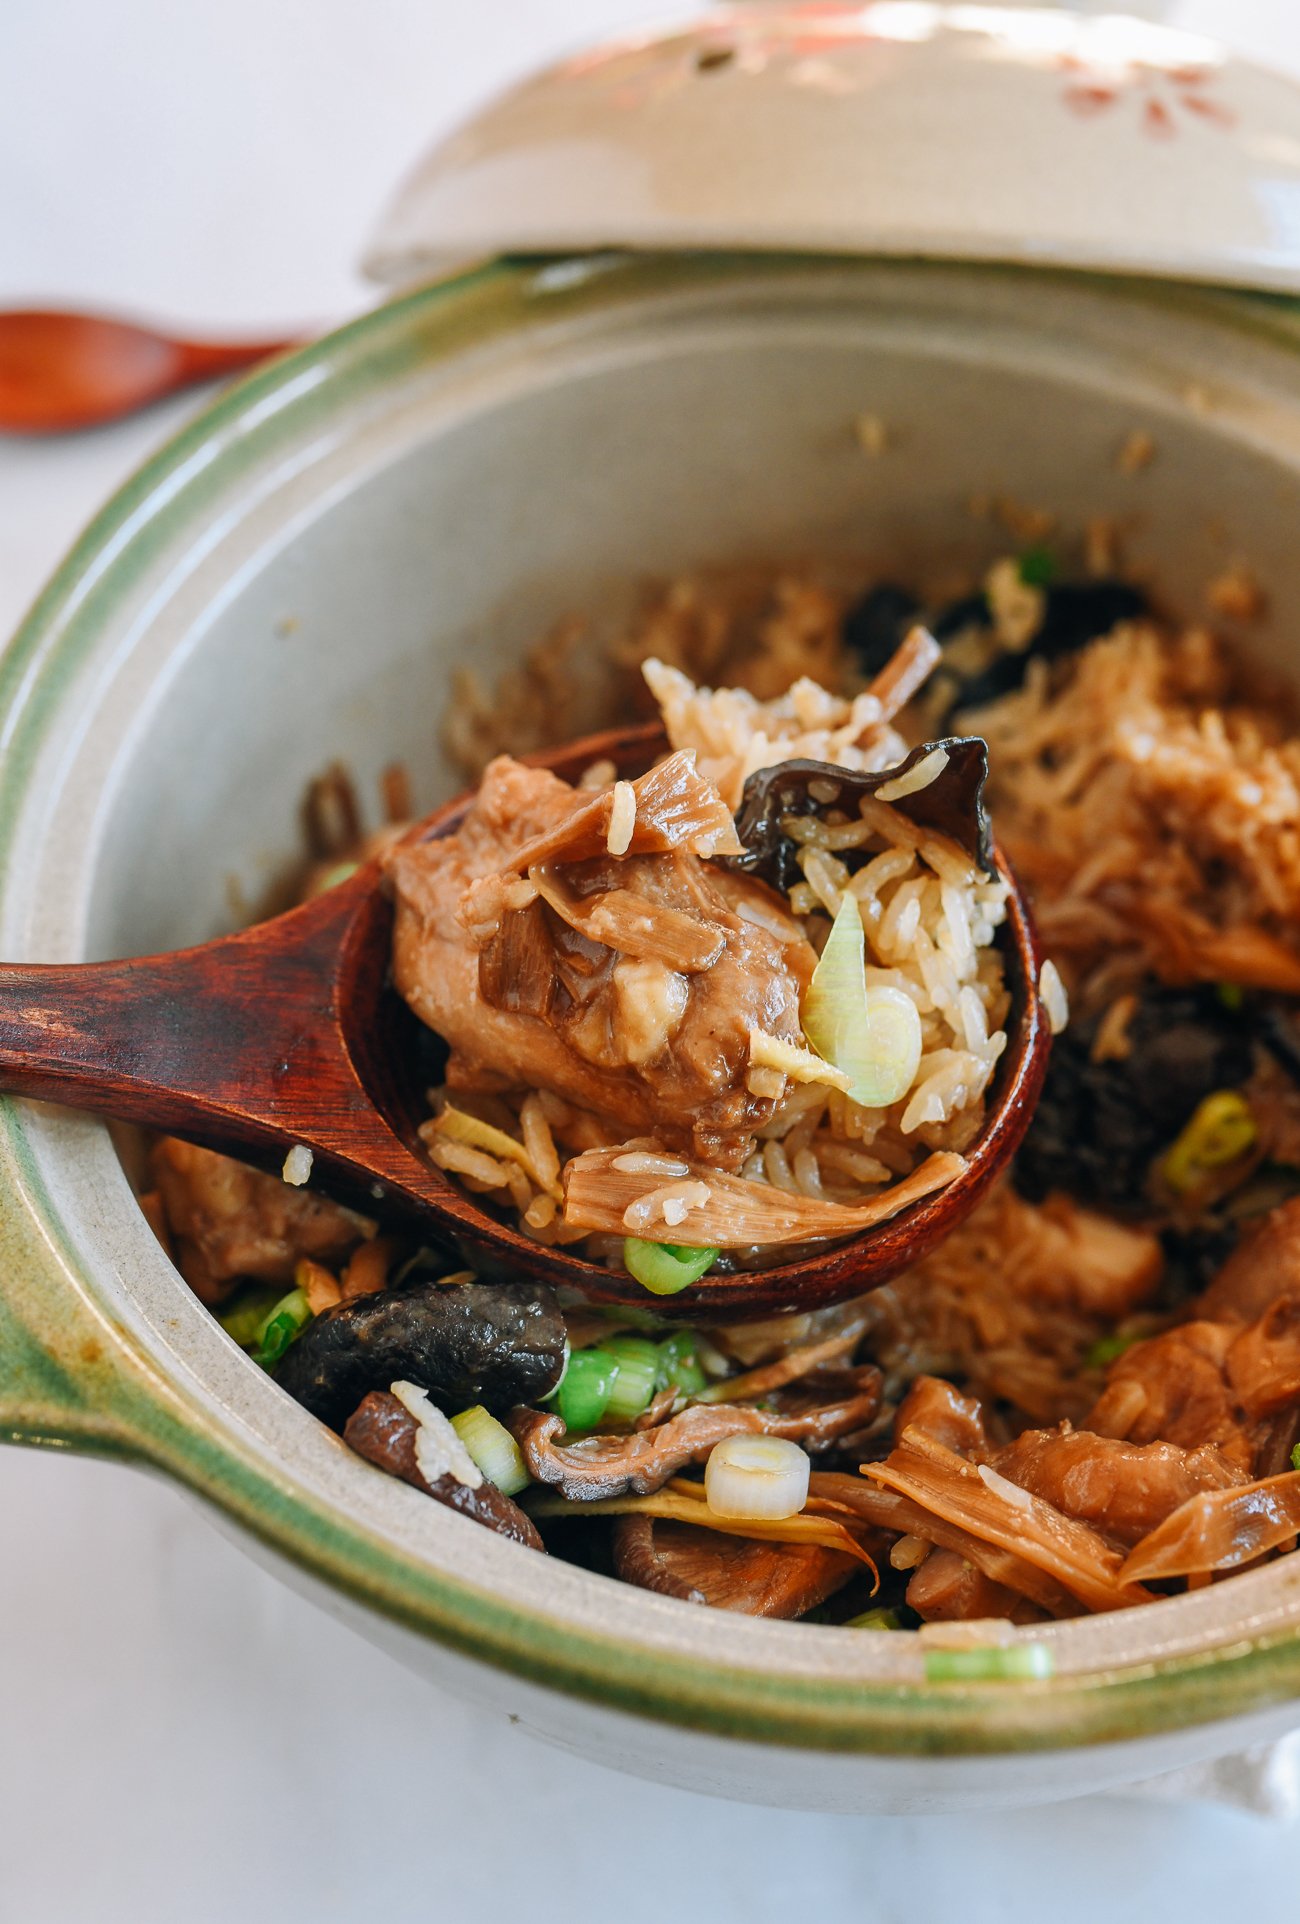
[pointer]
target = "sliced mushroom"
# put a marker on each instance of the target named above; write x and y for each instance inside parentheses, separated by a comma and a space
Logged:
(728, 1572)
(950, 804)
(383, 1431)
(496, 1344)
(596, 1467)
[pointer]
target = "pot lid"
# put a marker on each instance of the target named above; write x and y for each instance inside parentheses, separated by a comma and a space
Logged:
(1010, 133)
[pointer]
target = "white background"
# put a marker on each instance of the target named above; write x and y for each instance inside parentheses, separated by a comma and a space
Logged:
(183, 1741)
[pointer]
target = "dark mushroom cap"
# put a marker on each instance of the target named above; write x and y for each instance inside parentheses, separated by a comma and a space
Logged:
(952, 804)
(496, 1344)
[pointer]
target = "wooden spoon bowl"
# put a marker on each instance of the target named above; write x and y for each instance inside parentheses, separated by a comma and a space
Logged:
(291, 1033)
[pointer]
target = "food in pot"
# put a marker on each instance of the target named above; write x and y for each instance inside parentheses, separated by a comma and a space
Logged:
(664, 1046)
(748, 999)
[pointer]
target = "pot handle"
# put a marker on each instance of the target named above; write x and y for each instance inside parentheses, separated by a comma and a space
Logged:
(68, 1378)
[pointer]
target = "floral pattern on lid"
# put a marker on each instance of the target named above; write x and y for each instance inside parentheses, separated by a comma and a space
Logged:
(905, 127)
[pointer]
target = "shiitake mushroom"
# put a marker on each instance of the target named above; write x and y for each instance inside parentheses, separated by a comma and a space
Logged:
(1074, 613)
(492, 1343)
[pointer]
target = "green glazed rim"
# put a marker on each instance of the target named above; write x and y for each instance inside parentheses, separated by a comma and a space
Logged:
(73, 1376)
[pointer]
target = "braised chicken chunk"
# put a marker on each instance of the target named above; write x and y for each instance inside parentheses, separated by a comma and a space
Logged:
(626, 983)
(231, 1223)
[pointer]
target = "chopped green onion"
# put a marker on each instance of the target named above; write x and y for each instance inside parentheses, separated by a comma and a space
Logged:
(1038, 567)
(763, 1477)
(1107, 1348)
(679, 1365)
(244, 1318)
(990, 1664)
(339, 872)
(1295, 1457)
(492, 1449)
(872, 1035)
(583, 1392)
(874, 1620)
(288, 1319)
(1221, 1131)
(665, 1268)
(1231, 995)
(638, 1376)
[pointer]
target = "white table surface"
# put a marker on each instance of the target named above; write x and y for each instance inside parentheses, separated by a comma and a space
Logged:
(184, 1741)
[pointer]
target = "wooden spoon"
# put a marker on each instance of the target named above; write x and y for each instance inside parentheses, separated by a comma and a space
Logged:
(289, 1032)
(62, 370)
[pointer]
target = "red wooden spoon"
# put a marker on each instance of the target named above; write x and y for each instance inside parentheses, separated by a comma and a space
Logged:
(60, 370)
(290, 1033)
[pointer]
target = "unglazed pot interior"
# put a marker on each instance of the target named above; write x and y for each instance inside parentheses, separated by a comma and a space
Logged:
(437, 494)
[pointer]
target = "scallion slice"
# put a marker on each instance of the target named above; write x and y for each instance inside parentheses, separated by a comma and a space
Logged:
(332, 876)
(1038, 567)
(874, 1620)
(245, 1318)
(1107, 1348)
(638, 1376)
(1221, 1131)
(584, 1390)
(756, 1476)
(666, 1268)
(493, 1449)
(872, 1034)
(289, 1317)
(1015, 1663)
(679, 1365)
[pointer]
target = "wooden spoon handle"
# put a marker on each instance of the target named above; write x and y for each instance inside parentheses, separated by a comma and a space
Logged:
(62, 370)
(168, 1041)
(239, 1044)
(207, 360)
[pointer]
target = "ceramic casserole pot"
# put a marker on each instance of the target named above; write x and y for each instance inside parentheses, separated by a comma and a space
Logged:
(294, 580)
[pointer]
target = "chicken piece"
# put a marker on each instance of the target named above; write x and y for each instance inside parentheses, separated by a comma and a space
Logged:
(938, 1410)
(989, 1506)
(1263, 1365)
(890, 1511)
(1173, 1389)
(670, 807)
(729, 1572)
(948, 1589)
(626, 983)
(1012, 1302)
(230, 1222)
(1264, 1265)
(1100, 1266)
(1122, 1489)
